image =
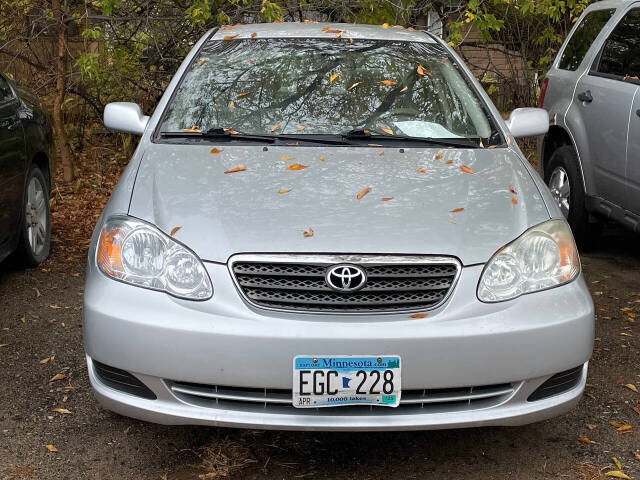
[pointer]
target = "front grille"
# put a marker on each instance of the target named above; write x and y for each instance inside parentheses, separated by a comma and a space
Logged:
(441, 400)
(559, 383)
(297, 282)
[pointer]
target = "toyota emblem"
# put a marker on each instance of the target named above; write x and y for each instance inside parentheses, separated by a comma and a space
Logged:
(346, 278)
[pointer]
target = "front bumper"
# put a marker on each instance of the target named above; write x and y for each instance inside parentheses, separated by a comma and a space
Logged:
(224, 342)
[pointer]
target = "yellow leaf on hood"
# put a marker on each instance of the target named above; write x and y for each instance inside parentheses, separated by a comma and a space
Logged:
(215, 151)
(419, 315)
(466, 169)
(632, 387)
(231, 37)
(286, 159)
(51, 448)
(514, 200)
(57, 377)
(385, 25)
(439, 156)
(353, 86)
(617, 474)
(334, 77)
(456, 210)
(283, 191)
(386, 199)
(332, 30)
(363, 192)
(296, 166)
(63, 411)
(275, 127)
(381, 153)
(449, 162)
(254, 34)
(422, 170)
(308, 233)
(174, 230)
(239, 168)
(321, 159)
(389, 82)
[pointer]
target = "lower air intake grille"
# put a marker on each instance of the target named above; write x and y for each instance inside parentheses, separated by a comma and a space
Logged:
(280, 400)
(559, 383)
(121, 380)
(298, 282)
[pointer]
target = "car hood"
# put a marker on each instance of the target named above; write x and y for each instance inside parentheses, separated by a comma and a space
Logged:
(421, 201)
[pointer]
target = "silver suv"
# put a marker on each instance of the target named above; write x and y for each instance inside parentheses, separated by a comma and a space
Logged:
(590, 157)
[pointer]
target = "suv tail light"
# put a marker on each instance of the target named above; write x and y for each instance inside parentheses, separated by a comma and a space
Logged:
(543, 92)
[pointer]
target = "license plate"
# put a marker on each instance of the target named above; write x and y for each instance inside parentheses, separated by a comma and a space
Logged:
(333, 381)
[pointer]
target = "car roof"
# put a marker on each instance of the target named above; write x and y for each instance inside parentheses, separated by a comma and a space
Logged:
(315, 30)
(609, 4)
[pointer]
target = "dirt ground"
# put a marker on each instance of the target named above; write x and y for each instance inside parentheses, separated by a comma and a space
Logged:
(40, 317)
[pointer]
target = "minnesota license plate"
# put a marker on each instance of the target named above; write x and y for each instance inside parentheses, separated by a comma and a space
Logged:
(333, 381)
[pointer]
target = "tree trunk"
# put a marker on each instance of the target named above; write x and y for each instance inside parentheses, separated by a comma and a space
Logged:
(66, 156)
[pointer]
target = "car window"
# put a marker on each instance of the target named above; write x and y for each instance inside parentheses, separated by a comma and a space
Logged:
(583, 37)
(317, 86)
(621, 52)
(5, 90)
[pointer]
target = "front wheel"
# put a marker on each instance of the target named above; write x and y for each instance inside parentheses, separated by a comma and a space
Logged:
(35, 234)
(564, 179)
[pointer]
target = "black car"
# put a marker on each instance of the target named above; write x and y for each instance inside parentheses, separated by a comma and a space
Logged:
(26, 164)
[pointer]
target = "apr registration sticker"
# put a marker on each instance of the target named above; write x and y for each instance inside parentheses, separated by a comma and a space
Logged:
(333, 381)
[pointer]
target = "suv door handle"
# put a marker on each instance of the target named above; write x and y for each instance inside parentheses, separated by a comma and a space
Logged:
(585, 97)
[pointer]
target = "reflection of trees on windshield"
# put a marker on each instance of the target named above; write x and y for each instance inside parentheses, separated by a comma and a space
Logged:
(253, 85)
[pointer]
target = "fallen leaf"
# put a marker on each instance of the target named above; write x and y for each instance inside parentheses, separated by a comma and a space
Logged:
(231, 37)
(51, 448)
(514, 200)
(353, 86)
(202, 62)
(512, 190)
(456, 210)
(55, 307)
(423, 71)
(387, 130)
(308, 233)
(63, 411)
(296, 166)
(193, 129)
(374, 144)
(239, 168)
(275, 127)
(586, 440)
(508, 141)
(386, 199)
(57, 377)
(439, 156)
(363, 192)
(419, 315)
(389, 82)
(283, 191)
(24, 319)
(632, 387)
(466, 169)
(300, 128)
(385, 25)
(332, 30)
(5, 345)
(243, 94)
(626, 334)
(422, 170)
(449, 162)
(321, 159)
(381, 153)
(490, 147)
(591, 426)
(286, 159)
(334, 77)
(404, 89)
(174, 230)
(46, 360)
(254, 34)
(636, 409)
(617, 474)
(215, 151)
(250, 60)
(232, 105)
(616, 462)
(351, 41)
(232, 132)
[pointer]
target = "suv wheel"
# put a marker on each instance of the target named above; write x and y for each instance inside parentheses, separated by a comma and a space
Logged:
(35, 234)
(564, 179)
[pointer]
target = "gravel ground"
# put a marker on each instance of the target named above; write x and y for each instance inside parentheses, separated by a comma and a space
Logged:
(41, 317)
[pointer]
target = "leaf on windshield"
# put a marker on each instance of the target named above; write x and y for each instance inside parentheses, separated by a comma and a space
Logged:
(514, 200)
(174, 230)
(286, 159)
(386, 199)
(300, 128)
(423, 71)
(275, 127)
(308, 233)
(456, 210)
(351, 41)
(422, 170)
(250, 60)
(389, 82)
(283, 191)
(296, 166)
(239, 168)
(374, 144)
(508, 141)
(193, 129)
(466, 169)
(232, 132)
(231, 37)
(363, 192)
(353, 86)
(404, 89)
(385, 25)
(232, 105)
(242, 94)
(254, 34)
(387, 130)
(216, 151)
(334, 77)
(439, 156)
(202, 62)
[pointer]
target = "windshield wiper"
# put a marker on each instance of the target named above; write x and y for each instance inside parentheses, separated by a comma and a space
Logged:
(447, 142)
(218, 134)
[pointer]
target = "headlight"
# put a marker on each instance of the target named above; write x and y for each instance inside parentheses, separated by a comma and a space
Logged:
(544, 256)
(135, 252)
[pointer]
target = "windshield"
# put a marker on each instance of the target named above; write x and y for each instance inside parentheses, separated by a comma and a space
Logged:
(316, 86)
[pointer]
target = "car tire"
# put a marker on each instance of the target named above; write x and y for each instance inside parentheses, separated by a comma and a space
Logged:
(35, 229)
(564, 179)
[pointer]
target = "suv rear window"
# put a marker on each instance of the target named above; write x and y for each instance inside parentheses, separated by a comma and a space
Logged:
(621, 53)
(583, 37)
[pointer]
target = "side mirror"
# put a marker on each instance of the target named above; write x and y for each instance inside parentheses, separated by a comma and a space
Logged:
(125, 117)
(528, 122)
